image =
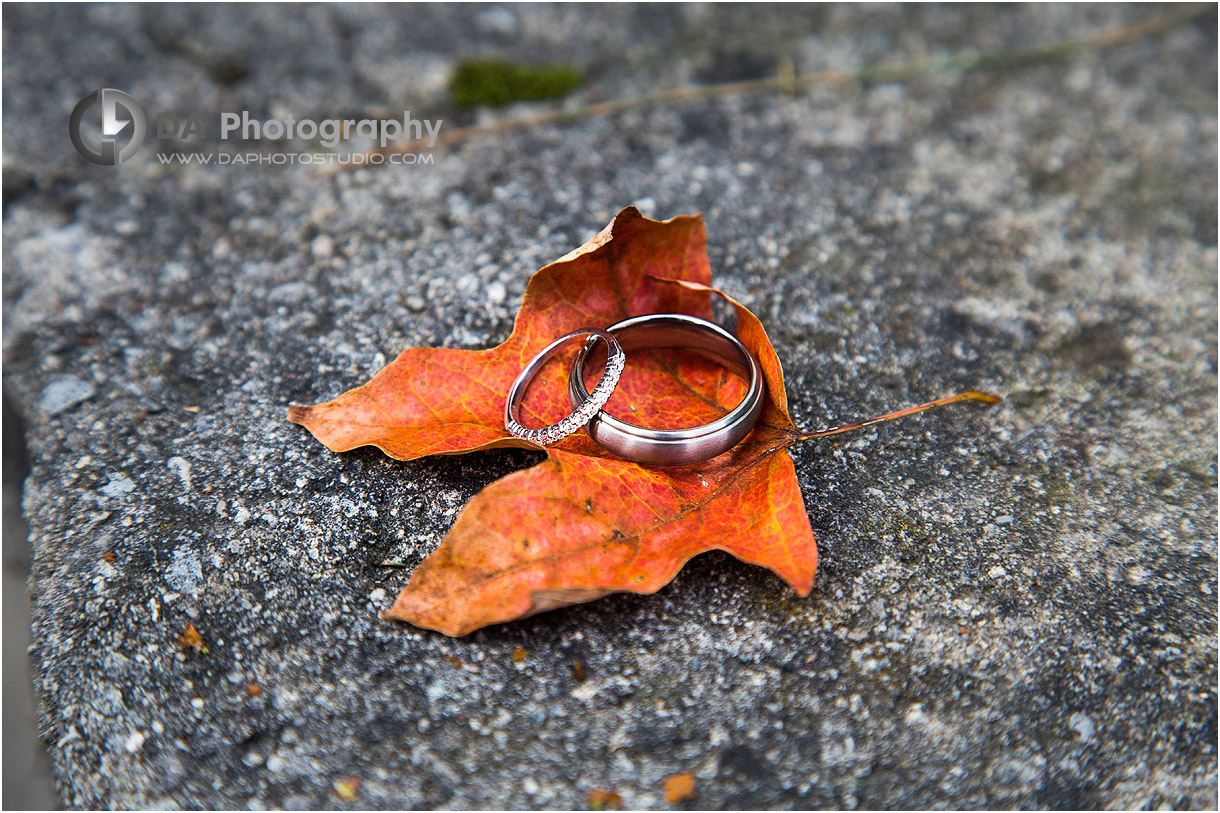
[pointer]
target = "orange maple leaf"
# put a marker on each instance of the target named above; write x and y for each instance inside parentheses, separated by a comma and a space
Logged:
(585, 523)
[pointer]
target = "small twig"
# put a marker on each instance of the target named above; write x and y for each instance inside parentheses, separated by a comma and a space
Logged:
(787, 82)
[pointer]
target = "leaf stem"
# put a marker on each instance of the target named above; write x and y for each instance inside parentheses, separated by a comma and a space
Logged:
(984, 397)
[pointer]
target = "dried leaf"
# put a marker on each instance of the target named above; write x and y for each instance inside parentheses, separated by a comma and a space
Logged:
(190, 638)
(585, 523)
(679, 787)
(348, 788)
(603, 799)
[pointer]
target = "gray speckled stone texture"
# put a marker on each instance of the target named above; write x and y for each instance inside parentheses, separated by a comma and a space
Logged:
(1016, 607)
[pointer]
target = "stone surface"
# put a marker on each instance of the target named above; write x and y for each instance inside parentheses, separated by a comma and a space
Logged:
(1016, 607)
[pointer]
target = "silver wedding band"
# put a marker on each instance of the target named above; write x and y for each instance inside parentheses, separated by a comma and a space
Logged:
(582, 411)
(671, 447)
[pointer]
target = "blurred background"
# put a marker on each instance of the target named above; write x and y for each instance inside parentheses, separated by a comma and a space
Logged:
(27, 768)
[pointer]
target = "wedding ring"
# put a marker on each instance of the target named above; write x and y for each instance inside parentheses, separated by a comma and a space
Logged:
(589, 405)
(672, 447)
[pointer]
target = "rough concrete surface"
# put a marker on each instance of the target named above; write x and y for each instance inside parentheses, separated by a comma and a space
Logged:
(1016, 607)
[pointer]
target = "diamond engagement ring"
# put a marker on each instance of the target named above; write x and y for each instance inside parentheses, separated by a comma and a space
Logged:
(672, 447)
(582, 411)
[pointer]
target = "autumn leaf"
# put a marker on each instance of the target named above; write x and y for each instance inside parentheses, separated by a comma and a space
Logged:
(604, 799)
(348, 788)
(190, 638)
(585, 523)
(679, 787)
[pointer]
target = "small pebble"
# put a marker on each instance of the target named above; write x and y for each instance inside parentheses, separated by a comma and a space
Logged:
(496, 293)
(322, 247)
(64, 393)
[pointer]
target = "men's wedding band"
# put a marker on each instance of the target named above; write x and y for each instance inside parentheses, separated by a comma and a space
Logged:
(589, 405)
(672, 447)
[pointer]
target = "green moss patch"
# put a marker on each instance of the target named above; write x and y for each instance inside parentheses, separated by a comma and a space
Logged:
(496, 82)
